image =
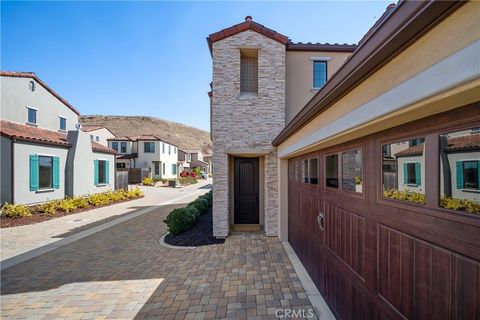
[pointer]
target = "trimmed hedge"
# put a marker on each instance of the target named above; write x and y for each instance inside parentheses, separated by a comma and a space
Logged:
(183, 219)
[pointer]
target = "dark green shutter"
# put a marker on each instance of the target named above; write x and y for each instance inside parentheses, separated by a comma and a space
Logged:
(107, 175)
(95, 172)
(56, 172)
(405, 173)
(34, 175)
(418, 173)
(459, 174)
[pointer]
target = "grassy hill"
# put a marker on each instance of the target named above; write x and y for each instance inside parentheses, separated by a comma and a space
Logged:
(183, 136)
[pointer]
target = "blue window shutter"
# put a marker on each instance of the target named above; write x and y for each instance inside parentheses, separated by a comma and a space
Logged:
(56, 172)
(34, 178)
(173, 169)
(478, 172)
(405, 173)
(107, 175)
(459, 174)
(95, 172)
(418, 174)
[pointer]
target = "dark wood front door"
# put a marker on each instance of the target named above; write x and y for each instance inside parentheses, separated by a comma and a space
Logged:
(372, 257)
(246, 191)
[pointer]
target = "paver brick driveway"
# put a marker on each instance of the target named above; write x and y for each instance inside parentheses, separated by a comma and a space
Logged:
(123, 272)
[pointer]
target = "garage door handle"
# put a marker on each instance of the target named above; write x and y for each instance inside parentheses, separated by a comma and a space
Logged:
(320, 219)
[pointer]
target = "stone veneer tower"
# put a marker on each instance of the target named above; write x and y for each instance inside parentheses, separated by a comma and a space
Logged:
(244, 124)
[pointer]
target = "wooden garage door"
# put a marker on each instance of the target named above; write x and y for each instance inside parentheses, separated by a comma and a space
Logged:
(398, 254)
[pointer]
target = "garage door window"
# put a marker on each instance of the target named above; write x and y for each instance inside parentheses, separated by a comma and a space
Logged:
(403, 170)
(305, 171)
(313, 164)
(460, 170)
(331, 171)
(352, 178)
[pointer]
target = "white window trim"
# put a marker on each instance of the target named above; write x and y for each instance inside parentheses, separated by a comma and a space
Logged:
(320, 58)
(30, 107)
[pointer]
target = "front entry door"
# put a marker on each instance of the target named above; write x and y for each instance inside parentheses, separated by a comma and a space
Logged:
(246, 191)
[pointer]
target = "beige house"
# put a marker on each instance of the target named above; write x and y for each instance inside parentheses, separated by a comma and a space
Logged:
(312, 169)
(259, 77)
(98, 134)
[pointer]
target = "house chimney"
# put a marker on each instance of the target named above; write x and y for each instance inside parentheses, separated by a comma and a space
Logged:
(248, 18)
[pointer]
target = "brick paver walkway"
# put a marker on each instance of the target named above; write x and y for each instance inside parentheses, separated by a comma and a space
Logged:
(123, 272)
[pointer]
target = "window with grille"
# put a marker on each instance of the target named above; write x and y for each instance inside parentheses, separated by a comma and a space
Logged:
(249, 71)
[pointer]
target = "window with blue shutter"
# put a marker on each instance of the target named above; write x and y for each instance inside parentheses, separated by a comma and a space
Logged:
(405, 173)
(107, 175)
(174, 169)
(56, 172)
(95, 172)
(418, 174)
(34, 173)
(470, 175)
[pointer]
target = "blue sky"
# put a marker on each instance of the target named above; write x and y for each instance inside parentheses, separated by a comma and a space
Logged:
(151, 58)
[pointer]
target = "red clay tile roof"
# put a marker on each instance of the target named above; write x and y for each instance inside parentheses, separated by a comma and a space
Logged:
(327, 47)
(123, 138)
(471, 141)
(23, 132)
(43, 84)
(244, 26)
(28, 133)
(412, 151)
(101, 148)
(144, 137)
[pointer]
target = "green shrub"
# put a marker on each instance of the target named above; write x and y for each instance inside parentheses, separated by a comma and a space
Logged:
(201, 205)
(147, 181)
(67, 205)
(180, 220)
(15, 211)
(460, 204)
(98, 199)
(193, 210)
(49, 208)
(209, 197)
(197, 170)
(409, 196)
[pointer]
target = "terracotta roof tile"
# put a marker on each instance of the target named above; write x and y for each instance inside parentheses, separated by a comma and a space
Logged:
(43, 84)
(101, 148)
(412, 151)
(122, 138)
(471, 141)
(247, 25)
(24, 132)
(29, 133)
(128, 156)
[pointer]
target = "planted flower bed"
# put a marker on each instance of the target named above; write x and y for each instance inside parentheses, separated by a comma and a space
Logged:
(192, 225)
(18, 214)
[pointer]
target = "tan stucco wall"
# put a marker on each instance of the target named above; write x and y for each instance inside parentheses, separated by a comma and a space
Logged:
(299, 79)
(454, 33)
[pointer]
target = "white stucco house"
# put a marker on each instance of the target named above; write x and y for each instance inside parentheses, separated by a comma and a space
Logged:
(44, 155)
(98, 134)
(146, 151)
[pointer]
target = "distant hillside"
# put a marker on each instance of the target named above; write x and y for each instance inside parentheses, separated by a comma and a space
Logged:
(183, 136)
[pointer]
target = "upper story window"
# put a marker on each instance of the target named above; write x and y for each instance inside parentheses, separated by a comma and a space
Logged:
(319, 74)
(97, 138)
(32, 115)
(163, 147)
(149, 147)
(63, 123)
(115, 145)
(175, 150)
(91, 137)
(169, 149)
(123, 147)
(249, 71)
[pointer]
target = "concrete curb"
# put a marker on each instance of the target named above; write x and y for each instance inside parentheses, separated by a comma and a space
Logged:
(318, 303)
(166, 245)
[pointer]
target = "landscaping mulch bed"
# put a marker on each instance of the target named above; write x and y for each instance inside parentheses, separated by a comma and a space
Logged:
(37, 217)
(200, 235)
